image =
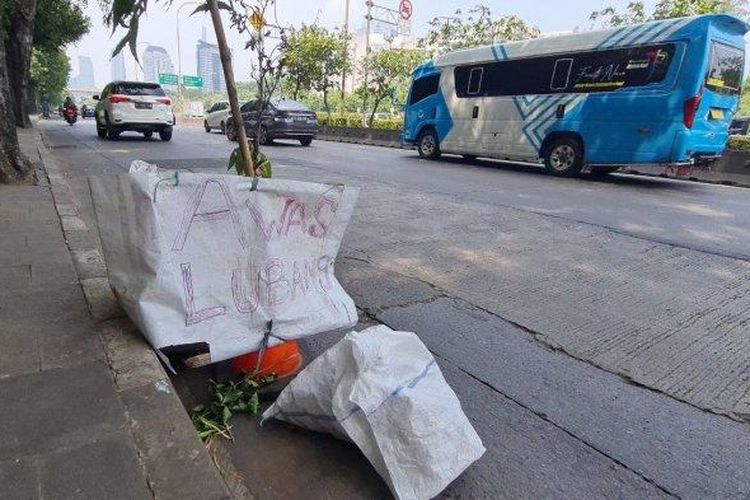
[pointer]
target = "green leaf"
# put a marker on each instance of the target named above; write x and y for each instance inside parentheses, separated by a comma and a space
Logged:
(201, 8)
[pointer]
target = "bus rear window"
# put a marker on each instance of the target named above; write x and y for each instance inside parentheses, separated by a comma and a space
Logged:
(725, 72)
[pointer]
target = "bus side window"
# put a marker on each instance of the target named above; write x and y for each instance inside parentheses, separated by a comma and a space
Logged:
(475, 80)
(561, 74)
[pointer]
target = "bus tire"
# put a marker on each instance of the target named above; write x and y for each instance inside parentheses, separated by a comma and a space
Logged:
(564, 157)
(428, 146)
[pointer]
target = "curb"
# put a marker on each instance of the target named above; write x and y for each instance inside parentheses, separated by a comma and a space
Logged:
(174, 460)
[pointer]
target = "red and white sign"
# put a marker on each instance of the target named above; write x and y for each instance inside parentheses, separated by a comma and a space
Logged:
(405, 9)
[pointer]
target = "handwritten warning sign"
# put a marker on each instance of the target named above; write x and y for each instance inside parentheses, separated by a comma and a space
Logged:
(207, 258)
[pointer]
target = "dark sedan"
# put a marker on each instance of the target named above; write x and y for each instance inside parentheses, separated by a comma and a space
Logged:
(282, 119)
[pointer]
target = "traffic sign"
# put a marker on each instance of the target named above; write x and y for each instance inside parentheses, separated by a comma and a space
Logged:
(168, 79)
(405, 9)
(192, 81)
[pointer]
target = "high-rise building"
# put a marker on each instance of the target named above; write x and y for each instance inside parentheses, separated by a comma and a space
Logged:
(85, 77)
(117, 68)
(155, 61)
(209, 67)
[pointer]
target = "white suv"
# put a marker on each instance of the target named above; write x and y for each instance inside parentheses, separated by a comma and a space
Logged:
(138, 106)
(216, 117)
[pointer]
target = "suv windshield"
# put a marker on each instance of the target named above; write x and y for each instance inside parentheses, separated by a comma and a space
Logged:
(725, 73)
(138, 88)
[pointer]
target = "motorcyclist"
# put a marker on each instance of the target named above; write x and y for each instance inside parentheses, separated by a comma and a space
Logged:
(71, 111)
(70, 104)
(45, 109)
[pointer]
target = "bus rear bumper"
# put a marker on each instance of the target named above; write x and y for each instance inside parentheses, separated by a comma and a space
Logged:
(687, 149)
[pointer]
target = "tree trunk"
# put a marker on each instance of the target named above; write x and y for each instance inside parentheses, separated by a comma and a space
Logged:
(18, 55)
(374, 110)
(13, 166)
(325, 104)
(296, 88)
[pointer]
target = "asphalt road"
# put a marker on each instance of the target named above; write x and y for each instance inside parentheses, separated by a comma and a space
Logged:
(596, 331)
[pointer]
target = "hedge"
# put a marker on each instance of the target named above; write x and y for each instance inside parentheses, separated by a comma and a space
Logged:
(739, 143)
(354, 120)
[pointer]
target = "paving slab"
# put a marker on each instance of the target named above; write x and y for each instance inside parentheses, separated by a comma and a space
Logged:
(105, 468)
(53, 409)
(19, 479)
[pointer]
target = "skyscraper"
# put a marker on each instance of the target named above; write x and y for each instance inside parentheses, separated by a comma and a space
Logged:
(85, 78)
(209, 67)
(155, 61)
(117, 68)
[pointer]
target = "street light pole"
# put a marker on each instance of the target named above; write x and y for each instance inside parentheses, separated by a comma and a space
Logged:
(346, 47)
(179, 51)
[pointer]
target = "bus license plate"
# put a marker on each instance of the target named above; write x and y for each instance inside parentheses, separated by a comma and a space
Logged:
(716, 114)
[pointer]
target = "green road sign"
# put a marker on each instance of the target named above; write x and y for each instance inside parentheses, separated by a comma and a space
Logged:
(192, 81)
(168, 79)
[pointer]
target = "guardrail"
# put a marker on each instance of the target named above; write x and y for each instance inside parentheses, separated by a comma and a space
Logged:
(359, 135)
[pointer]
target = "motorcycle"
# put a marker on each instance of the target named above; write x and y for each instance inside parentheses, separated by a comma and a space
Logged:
(71, 114)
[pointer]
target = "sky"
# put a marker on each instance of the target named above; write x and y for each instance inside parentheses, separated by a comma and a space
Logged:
(159, 25)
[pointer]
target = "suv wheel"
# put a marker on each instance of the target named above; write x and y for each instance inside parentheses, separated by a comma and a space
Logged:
(223, 128)
(564, 157)
(165, 135)
(101, 131)
(427, 145)
(206, 127)
(306, 141)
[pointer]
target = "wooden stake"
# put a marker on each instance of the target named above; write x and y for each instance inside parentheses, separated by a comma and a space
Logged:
(234, 103)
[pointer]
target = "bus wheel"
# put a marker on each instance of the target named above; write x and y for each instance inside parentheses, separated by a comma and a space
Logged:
(427, 145)
(564, 157)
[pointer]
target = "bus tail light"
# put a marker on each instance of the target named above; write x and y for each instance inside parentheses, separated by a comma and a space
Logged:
(691, 109)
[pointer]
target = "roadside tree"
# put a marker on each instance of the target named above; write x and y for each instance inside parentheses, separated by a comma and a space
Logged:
(476, 27)
(49, 74)
(315, 59)
(635, 12)
(386, 74)
(47, 25)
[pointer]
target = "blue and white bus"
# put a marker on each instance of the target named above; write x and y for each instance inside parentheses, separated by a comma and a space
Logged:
(658, 93)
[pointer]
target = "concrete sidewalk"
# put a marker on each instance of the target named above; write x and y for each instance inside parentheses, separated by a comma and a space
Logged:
(88, 411)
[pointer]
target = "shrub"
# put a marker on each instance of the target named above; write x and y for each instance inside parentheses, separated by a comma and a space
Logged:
(387, 124)
(739, 143)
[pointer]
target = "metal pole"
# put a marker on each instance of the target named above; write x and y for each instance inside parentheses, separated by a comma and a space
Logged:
(346, 47)
(369, 4)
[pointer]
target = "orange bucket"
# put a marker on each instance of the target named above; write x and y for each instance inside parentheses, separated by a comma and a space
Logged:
(281, 360)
